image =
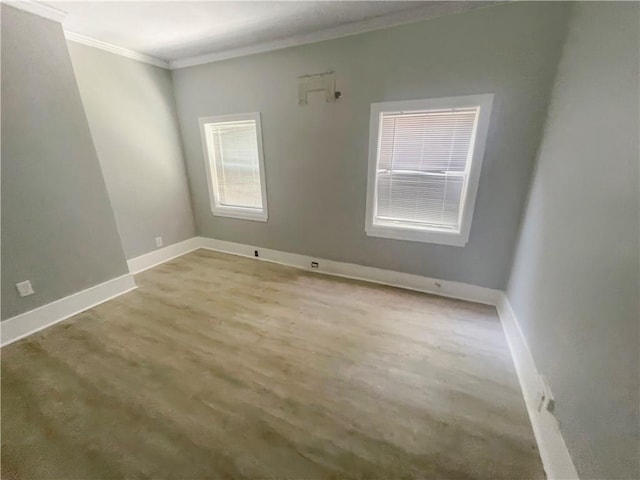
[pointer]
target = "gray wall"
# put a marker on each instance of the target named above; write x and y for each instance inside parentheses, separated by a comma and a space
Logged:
(58, 229)
(574, 285)
(316, 156)
(131, 112)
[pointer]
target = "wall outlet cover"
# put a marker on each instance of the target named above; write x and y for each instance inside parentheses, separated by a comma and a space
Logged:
(159, 242)
(24, 288)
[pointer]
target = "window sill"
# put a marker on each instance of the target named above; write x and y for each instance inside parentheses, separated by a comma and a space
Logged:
(455, 239)
(240, 213)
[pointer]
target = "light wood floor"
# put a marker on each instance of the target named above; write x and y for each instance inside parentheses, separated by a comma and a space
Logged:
(227, 367)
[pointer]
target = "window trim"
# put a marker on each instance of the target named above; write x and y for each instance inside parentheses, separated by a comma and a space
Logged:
(224, 210)
(433, 235)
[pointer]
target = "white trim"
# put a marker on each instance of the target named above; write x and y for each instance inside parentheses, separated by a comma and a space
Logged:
(37, 8)
(478, 143)
(156, 257)
(260, 215)
(28, 323)
(52, 13)
(555, 456)
(444, 288)
(399, 18)
(411, 15)
(108, 47)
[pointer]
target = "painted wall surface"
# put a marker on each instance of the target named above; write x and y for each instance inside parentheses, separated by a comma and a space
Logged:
(316, 155)
(58, 228)
(132, 116)
(574, 285)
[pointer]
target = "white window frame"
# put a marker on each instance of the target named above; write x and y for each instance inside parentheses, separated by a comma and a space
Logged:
(423, 234)
(225, 210)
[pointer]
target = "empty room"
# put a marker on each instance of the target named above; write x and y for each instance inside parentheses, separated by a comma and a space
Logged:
(320, 240)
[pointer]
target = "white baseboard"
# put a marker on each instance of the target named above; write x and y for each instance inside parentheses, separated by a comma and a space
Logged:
(553, 450)
(555, 456)
(42, 317)
(463, 291)
(156, 257)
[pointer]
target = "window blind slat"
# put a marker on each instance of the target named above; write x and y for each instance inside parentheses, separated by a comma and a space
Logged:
(236, 164)
(423, 160)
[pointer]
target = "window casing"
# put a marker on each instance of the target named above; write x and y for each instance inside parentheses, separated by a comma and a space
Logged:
(425, 158)
(232, 146)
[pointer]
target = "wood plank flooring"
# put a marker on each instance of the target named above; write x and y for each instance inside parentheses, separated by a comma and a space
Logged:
(220, 366)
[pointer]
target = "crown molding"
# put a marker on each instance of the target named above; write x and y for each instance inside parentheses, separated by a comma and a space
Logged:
(432, 10)
(435, 9)
(124, 52)
(37, 8)
(51, 13)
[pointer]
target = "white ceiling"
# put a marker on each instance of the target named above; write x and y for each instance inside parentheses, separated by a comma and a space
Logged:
(178, 30)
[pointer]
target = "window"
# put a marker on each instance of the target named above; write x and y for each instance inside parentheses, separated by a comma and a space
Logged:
(234, 162)
(424, 166)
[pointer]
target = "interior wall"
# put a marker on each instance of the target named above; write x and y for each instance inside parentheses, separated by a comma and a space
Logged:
(316, 155)
(575, 281)
(132, 116)
(58, 229)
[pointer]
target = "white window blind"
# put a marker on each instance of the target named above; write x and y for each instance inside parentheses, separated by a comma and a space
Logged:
(233, 149)
(423, 165)
(236, 164)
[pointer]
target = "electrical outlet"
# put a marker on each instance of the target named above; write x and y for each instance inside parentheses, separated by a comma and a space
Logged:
(255, 253)
(159, 242)
(24, 288)
(315, 265)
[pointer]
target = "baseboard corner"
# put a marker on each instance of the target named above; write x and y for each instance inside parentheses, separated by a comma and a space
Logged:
(28, 323)
(156, 257)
